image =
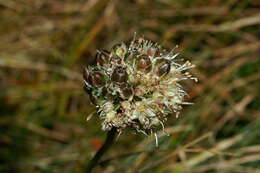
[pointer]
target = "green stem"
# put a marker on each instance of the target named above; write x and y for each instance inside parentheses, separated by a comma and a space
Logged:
(94, 161)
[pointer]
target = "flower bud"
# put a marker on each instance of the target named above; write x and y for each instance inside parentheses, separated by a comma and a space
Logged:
(162, 67)
(119, 50)
(144, 64)
(94, 78)
(119, 75)
(102, 58)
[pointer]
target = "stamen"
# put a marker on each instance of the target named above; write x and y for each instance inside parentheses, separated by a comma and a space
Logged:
(156, 139)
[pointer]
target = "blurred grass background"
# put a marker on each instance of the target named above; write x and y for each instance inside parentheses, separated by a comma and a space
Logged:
(45, 44)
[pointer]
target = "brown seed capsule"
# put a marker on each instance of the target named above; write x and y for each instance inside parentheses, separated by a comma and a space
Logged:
(119, 50)
(102, 57)
(98, 78)
(144, 64)
(94, 78)
(163, 67)
(119, 75)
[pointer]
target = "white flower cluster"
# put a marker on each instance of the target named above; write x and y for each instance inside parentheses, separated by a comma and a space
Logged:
(136, 86)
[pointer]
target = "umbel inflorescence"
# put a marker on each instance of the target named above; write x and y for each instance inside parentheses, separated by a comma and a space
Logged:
(136, 86)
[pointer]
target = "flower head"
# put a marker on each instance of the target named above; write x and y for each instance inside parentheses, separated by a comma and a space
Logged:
(136, 85)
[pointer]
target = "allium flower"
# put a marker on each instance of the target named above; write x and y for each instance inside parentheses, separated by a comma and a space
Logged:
(136, 86)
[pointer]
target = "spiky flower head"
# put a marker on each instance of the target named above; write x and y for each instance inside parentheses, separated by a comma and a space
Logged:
(136, 86)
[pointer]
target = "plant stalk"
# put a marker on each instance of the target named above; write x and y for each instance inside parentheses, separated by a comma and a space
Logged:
(108, 143)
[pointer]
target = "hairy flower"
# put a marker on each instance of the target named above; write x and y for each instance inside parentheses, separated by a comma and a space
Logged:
(136, 86)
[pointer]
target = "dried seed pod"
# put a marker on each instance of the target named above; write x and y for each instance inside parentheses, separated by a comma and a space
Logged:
(162, 67)
(144, 64)
(119, 75)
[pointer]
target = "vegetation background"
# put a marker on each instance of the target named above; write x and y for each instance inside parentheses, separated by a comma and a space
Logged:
(44, 45)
